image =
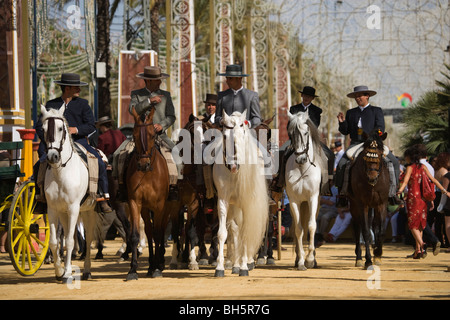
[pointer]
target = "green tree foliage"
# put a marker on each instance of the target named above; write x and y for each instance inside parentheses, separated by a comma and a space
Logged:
(427, 120)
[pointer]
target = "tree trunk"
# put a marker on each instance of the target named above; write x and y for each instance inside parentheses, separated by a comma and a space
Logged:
(103, 23)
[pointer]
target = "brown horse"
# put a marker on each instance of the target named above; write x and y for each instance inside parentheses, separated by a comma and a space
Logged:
(147, 180)
(369, 181)
(192, 196)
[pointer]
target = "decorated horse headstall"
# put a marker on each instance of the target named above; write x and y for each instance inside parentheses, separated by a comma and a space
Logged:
(372, 155)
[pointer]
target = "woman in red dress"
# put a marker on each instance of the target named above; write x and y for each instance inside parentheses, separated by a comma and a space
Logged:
(415, 204)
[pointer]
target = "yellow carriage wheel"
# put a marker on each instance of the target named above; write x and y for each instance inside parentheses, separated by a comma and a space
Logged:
(28, 233)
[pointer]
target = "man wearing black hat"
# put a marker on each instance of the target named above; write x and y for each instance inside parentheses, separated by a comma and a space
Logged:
(308, 94)
(237, 98)
(364, 118)
(81, 122)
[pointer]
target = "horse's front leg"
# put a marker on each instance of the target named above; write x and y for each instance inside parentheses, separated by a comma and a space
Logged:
(222, 236)
(297, 223)
(312, 225)
(367, 236)
(69, 223)
(134, 239)
(379, 230)
(357, 235)
(53, 244)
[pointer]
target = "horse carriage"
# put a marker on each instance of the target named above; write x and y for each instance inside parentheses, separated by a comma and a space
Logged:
(27, 233)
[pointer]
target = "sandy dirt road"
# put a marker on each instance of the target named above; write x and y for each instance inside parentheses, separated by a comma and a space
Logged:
(335, 278)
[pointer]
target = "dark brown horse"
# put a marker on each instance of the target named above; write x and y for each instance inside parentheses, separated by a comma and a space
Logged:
(368, 195)
(148, 187)
(190, 228)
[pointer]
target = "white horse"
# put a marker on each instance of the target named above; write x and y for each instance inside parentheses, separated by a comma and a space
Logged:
(66, 184)
(303, 182)
(242, 193)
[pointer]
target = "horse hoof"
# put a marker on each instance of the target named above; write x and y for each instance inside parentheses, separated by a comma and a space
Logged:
(184, 265)
(243, 273)
(228, 265)
(377, 261)
(302, 268)
(67, 280)
(251, 266)
(310, 264)
(86, 276)
(260, 262)
(235, 270)
(157, 274)
(359, 264)
(58, 278)
(193, 266)
(367, 265)
(98, 256)
(132, 276)
(271, 262)
(203, 262)
(219, 273)
(173, 266)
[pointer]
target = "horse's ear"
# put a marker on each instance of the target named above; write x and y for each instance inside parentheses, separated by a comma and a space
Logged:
(290, 115)
(134, 114)
(365, 136)
(384, 136)
(191, 117)
(225, 116)
(150, 115)
(61, 111)
(269, 120)
(243, 115)
(43, 110)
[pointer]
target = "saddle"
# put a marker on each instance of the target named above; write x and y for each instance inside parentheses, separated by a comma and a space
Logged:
(353, 152)
(91, 163)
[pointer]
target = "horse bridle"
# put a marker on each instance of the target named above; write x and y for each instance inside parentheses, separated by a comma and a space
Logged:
(50, 137)
(224, 151)
(305, 150)
(144, 144)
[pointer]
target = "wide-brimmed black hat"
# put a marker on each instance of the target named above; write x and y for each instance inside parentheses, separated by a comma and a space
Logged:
(70, 79)
(361, 89)
(103, 120)
(152, 73)
(233, 70)
(211, 98)
(310, 91)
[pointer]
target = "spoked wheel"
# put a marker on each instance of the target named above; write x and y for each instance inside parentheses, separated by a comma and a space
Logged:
(28, 233)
